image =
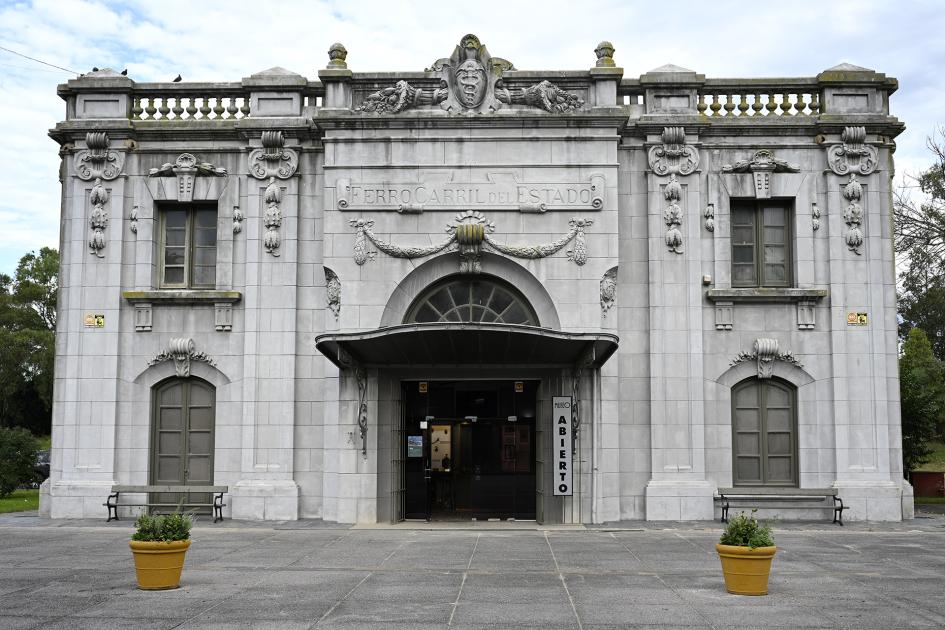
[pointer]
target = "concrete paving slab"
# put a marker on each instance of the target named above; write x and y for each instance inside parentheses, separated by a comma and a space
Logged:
(75, 575)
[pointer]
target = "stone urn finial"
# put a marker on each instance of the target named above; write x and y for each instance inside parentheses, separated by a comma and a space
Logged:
(336, 57)
(605, 55)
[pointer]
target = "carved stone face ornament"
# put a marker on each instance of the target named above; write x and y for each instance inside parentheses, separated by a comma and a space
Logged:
(471, 81)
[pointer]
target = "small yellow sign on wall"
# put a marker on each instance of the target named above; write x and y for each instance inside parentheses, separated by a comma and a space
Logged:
(93, 320)
(857, 319)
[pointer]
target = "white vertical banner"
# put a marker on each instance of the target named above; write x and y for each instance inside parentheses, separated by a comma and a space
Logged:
(561, 445)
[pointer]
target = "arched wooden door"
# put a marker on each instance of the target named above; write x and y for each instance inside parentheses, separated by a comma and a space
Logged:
(764, 433)
(182, 427)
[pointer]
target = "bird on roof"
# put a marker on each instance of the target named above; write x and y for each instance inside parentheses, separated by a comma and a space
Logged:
(124, 72)
(177, 80)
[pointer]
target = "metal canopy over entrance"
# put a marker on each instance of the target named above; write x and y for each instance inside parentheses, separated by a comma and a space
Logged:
(464, 344)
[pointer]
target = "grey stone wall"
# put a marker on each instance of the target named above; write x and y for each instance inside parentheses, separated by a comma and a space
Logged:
(333, 197)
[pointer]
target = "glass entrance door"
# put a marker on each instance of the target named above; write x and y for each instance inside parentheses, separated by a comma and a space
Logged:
(470, 450)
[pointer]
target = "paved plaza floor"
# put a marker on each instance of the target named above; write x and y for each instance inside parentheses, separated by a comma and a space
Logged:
(79, 574)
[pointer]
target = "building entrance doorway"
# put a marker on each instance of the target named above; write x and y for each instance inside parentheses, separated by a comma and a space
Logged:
(469, 449)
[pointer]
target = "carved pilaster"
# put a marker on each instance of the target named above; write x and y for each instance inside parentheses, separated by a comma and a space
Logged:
(360, 375)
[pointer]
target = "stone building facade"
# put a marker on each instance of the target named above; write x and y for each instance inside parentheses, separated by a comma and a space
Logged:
(370, 297)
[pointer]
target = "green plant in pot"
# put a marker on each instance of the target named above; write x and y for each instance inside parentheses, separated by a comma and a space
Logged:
(746, 550)
(159, 545)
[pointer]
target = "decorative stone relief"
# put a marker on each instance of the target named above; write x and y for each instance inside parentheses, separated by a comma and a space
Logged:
(98, 218)
(467, 86)
(805, 315)
(765, 352)
(337, 55)
(360, 375)
(470, 232)
(761, 165)
(605, 55)
(273, 159)
(608, 290)
(98, 161)
(672, 215)
(724, 315)
(272, 219)
(333, 292)
(133, 220)
(238, 219)
(143, 317)
(673, 156)
(183, 351)
(185, 168)
(852, 154)
(709, 215)
(223, 316)
(544, 95)
(814, 216)
(853, 215)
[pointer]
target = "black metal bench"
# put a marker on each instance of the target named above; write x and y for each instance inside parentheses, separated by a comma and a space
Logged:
(787, 499)
(217, 504)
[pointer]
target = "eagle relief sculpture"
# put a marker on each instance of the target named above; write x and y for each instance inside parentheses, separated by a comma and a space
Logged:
(470, 83)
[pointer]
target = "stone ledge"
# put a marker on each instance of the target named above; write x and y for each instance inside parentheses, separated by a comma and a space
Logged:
(766, 295)
(183, 296)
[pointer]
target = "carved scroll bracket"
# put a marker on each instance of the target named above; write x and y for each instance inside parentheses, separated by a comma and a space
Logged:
(273, 159)
(182, 351)
(360, 375)
(765, 352)
(98, 161)
(673, 155)
(852, 154)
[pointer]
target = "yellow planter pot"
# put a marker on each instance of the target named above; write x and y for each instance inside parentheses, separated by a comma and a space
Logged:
(746, 570)
(159, 564)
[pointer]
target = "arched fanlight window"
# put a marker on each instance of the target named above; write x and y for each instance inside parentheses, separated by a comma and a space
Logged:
(486, 300)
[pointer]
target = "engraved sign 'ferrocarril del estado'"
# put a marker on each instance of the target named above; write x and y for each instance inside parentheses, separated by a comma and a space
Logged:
(499, 191)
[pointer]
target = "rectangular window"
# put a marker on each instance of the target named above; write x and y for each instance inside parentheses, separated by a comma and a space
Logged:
(761, 244)
(188, 247)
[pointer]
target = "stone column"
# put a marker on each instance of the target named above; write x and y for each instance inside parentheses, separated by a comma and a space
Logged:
(85, 405)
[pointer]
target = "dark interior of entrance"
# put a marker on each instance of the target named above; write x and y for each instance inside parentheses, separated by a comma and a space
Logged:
(469, 449)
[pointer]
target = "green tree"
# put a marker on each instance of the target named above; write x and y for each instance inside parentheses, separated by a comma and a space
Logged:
(27, 341)
(922, 395)
(17, 457)
(920, 242)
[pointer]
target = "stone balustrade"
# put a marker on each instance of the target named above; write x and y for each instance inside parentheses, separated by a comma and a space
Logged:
(194, 101)
(738, 98)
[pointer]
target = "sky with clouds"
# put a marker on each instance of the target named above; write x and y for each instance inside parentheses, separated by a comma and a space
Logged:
(225, 41)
